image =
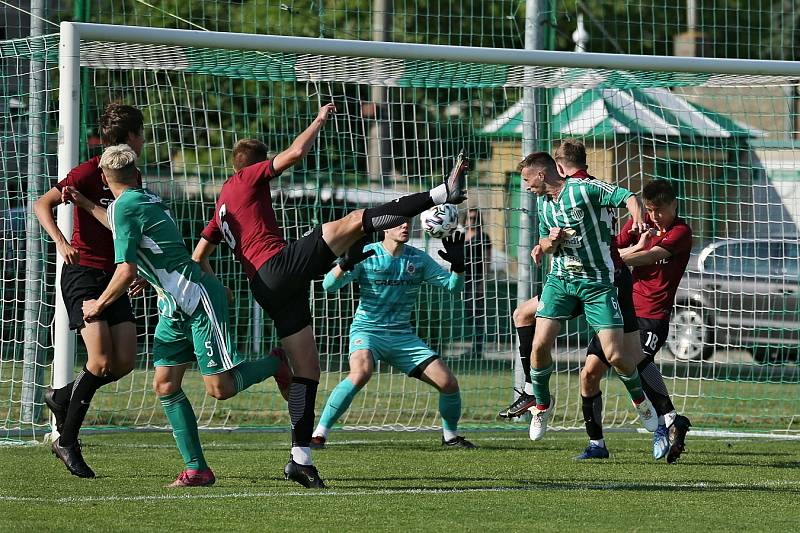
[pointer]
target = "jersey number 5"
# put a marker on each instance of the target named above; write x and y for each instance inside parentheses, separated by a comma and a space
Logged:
(226, 229)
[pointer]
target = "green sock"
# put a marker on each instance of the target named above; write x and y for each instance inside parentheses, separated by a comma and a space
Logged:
(450, 409)
(540, 378)
(633, 384)
(338, 402)
(184, 428)
(251, 372)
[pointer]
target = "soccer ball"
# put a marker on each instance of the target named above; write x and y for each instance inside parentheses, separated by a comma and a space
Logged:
(440, 221)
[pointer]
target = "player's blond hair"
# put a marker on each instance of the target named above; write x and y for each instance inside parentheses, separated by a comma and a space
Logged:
(118, 162)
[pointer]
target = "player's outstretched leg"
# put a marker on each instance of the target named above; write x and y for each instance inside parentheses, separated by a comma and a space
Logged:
(439, 375)
(248, 373)
(392, 214)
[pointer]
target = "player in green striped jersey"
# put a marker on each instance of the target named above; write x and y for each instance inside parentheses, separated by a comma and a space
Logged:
(193, 323)
(575, 227)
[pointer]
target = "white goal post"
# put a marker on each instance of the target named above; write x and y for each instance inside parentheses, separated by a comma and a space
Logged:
(526, 68)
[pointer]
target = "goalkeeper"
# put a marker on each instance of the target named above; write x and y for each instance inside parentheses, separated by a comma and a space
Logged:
(390, 275)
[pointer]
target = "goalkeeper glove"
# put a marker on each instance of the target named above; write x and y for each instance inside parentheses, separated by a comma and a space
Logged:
(454, 251)
(355, 254)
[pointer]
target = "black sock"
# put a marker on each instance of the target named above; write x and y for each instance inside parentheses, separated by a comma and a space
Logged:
(392, 214)
(82, 392)
(593, 415)
(61, 396)
(654, 387)
(525, 334)
(302, 396)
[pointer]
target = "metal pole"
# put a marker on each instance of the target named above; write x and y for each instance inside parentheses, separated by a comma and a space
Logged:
(379, 163)
(68, 135)
(527, 276)
(34, 349)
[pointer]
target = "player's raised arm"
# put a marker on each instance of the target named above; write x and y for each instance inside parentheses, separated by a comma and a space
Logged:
(303, 143)
(454, 254)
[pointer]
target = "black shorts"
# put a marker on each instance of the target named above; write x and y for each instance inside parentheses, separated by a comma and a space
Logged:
(81, 283)
(623, 281)
(282, 284)
(654, 332)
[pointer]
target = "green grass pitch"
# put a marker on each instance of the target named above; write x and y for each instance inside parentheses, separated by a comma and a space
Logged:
(405, 481)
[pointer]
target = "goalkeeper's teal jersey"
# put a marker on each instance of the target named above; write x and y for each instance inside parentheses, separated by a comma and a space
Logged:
(146, 234)
(390, 285)
(582, 206)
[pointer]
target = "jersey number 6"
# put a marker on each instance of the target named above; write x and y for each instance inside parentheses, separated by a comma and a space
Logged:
(226, 229)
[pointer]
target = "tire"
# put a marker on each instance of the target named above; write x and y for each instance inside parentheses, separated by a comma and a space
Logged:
(690, 334)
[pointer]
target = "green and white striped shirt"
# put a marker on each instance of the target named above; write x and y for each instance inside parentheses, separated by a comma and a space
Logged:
(582, 207)
(146, 234)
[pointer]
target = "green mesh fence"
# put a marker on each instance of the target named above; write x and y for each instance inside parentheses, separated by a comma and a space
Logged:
(726, 142)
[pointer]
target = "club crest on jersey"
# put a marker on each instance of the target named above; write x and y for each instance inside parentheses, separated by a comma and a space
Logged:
(410, 268)
(358, 342)
(576, 213)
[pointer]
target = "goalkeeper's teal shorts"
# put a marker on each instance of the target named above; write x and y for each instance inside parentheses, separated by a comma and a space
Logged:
(403, 350)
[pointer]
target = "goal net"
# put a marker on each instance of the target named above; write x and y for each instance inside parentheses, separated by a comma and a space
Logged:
(722, 132)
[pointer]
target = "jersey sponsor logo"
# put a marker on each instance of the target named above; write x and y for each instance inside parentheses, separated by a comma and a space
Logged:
(394, 282)
(106, 201)
(576, 213)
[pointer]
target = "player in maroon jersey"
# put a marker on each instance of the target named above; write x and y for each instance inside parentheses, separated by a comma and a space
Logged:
(659, 258)
(280, 272)
(88, 267)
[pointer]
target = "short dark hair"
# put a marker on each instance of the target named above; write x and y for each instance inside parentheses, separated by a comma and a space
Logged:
(118, 121)
(537, 159)
(248, 152)
(571, 152)
(659, 192)
(478, 215)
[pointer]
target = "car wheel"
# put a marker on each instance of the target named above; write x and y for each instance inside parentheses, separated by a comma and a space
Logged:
(690, 335)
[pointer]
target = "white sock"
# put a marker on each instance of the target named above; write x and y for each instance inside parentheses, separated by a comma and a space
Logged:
(529, 388)
(669, 418)
(321, 431)
(598, 442)
(439, 194)
(449, 435)
(302, 455)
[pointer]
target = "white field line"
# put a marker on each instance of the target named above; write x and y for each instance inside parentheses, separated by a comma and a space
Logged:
(195, 494)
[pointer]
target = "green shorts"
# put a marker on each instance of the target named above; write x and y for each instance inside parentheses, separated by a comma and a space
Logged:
(403, 350)
(203, 337)
(562, 298)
